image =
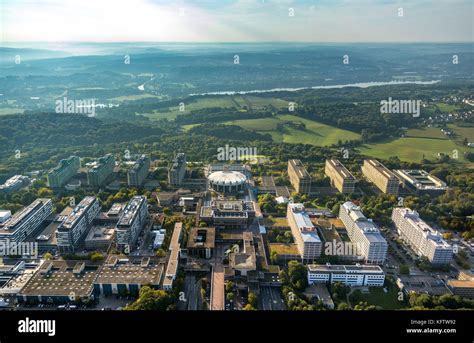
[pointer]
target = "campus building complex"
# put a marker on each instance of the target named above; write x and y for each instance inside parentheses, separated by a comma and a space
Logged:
(138, 173)
(423, 239)
(101, 170)
(25, 222)
(131, 222)
(73, 230)
(420, 182)
(349, 275)
(340, 177)
(299, 176)
(64, 171)
(177, 170)
(304, 232)
(228, 213)
(364, 233)
(380, 176)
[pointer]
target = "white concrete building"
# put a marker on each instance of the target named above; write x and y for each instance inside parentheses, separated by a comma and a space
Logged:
(349, 275)
(304, 232)
(364, 233)
(422, 238)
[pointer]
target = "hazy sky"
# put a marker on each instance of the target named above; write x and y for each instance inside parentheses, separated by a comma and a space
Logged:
(236, 20)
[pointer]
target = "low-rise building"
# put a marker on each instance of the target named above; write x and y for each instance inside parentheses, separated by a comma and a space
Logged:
(349, 275)
(173, 260)
(201, 241)
(244, 261)
(59, 281)
(421, 182)
(228, 213)
(99, 238)
(422, 238)
(126, 275)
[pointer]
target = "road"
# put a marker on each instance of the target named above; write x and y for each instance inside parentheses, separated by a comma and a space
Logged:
(270, 299)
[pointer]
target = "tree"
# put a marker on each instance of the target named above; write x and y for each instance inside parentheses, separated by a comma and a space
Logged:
(297, 275)
(253, 299)
(160, 253)
(151, 299)
(448, 235)
(96, 256)
(343, 306)
(48, 256)
(230, 297)
(249, 307)
(229, 286)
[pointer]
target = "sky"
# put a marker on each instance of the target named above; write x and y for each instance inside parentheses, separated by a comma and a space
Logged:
(236, 20)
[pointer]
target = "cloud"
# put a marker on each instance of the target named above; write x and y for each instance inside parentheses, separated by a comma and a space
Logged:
(235, 20)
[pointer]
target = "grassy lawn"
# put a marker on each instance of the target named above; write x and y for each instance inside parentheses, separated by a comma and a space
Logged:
(314, 133)
(463, 132)
(377, 296)
(413, 149)
(284, 248)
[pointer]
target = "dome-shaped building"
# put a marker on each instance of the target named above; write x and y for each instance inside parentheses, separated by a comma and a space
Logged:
(227, 181)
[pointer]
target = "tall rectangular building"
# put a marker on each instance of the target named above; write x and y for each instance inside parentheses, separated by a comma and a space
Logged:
(380, 176)
(72, 232)
(299, 176)
(102, 169)
(340, 177)
(131, 222)
(24, 222)
(64, 171)
(422, 238)
(177, 170)
(363, 232)
(137, 174)
(304, 232)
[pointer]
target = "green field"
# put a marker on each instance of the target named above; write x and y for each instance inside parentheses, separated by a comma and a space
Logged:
(422, 143)
(314, 133)
(413, 149)
(377, 296)
(240, 102)
(10, 110)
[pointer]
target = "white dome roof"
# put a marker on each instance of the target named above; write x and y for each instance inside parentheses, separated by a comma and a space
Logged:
(227, 178)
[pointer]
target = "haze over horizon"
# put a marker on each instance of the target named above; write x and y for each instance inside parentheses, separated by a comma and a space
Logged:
(245, 21)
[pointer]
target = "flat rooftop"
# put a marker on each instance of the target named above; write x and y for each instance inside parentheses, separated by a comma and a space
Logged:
(345, 268)
(73, 218)
(199, 237)
(62, 278)
(131, 270)
(131, 211)
(340, 169)
(21, 216)
(299, 168)
(380, 168)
